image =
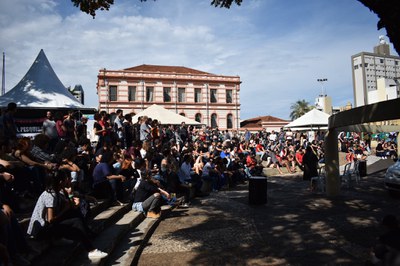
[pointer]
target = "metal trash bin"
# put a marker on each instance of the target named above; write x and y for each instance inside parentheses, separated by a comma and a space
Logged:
(362, 168)
(257, 190)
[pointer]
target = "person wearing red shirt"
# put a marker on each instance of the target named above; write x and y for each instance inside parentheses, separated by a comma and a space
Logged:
(299, 158)
(260, 150)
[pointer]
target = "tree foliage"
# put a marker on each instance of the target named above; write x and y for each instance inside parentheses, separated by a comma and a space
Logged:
(225, 3)
(91, 6)
(299, 108)
(388, 12)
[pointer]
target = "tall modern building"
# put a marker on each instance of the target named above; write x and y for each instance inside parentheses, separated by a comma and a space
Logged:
(368, 68)
(210, 99)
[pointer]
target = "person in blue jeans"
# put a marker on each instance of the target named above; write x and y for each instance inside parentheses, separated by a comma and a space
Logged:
(211, 173)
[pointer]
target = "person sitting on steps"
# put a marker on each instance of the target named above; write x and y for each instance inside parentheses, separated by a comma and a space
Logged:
(147, 198)
(52, 217)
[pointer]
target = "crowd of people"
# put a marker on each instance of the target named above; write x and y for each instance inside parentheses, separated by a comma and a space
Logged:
(357, 146)
(144, 163)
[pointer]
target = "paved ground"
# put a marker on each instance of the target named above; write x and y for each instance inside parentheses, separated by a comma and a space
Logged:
(295, 227)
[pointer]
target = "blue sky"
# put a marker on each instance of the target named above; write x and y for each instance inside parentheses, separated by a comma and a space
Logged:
(279, 48)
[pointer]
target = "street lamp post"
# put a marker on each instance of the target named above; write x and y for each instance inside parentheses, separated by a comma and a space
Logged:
(207, 106)
(106, 87)
(237, 108)
(143, 93)
(322, 85)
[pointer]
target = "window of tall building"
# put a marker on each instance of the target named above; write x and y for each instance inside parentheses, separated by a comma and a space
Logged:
(181, 95)
(396, 63)
(149, 94)
(213, 96)
(132, 93)
(214, 121)
(112, 93)
(197, 95)
(381, 60)
(229, 96)
(197, 117)
(167, 94)
(229, 121)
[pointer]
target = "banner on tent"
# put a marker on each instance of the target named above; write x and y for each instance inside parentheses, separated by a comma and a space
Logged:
(29, 126)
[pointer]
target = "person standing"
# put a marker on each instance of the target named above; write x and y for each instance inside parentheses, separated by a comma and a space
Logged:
(247, 135)
(144, 129)
(61, 130)
(118, 126)
(70, 126)
(183, 133)
(81, 129)
(310, 164)
(106, 127)
(136, 129)
(129, 132)
(9, 126)
(50, 130)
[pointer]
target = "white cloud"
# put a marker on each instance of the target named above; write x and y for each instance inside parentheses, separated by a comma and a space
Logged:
(278, 51)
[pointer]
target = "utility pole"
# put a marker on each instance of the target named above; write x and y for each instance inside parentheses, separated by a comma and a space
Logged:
(3, 76)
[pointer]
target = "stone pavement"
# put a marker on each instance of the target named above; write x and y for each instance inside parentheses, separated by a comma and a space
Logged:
(295, 227)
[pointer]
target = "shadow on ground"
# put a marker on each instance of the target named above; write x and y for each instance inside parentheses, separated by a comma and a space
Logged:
(294, 227)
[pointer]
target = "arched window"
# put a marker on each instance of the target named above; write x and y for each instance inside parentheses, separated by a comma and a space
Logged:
(214, 121)
(198, 117)
(229, 121)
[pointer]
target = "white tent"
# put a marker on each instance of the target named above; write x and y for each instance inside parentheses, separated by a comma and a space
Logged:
(41, 88)
(164, 116)
(313, 119)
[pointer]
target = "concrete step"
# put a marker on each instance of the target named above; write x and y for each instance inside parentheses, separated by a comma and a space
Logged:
(111, 237)
(57, 253)
(132, 244)
(123, 241)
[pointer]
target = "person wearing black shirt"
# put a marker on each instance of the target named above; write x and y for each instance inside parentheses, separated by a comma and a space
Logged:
(183, 133)
(148, 197)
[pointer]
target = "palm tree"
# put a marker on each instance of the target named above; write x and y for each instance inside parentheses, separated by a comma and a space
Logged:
(299, 108)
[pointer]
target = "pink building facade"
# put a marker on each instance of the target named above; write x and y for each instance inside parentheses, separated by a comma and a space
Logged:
(210, 99)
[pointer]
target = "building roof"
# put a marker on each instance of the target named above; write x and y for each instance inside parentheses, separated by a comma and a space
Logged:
(167, 69)
(40, 88)
(257, 121)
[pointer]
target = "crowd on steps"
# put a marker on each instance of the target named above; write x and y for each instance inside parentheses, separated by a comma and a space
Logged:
(142, 163)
